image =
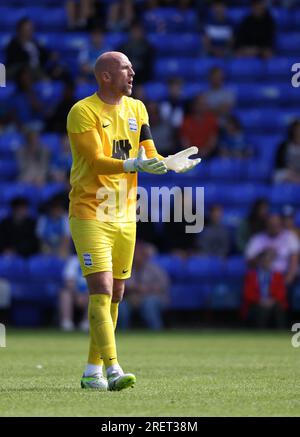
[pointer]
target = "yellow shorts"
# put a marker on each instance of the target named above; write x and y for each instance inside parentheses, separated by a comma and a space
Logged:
(104, 246)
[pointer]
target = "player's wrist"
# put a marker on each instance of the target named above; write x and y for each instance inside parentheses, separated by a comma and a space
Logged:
(130, 165)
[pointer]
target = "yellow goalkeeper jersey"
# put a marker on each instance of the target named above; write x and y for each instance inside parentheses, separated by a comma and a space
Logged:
(102, 136)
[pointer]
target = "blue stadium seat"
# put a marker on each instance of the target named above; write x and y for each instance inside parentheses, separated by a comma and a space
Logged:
(246, 68)
(261, 120)
(52, 141)
(258, 170)
(50, 190)
(225, 169)
(283, 18)
(250, 94)
(279, 68)
(192, 89)
(282, 194)
(4, 39)
(45, 266)
(235, 267)
(169, 44)
(9, 143)
(11, 190)
(164, 68)
(8, 169)
(13, 268)
(173, 265)
(242, 194)
(85, 89)
(49, 92)
(191, 297)
(155, 91)
(225, 296)
(169, 19)
(288, 43)
(199, 267)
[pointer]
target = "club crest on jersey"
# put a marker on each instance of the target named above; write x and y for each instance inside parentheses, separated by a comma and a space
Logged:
(87, 259)
(132, 124)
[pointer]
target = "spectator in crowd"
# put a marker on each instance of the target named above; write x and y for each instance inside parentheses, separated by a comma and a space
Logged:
(140, 53)
(57, 117)
(146, 291)
(121, 14)
(73, 296)
(53, 229)
(172, 109)
(175, 219)
(200, 128)
(214, 240)
(33, 159)
(256, 33)
(264, 296)
(220, 99)
(25, 108)
(17, 230)
(88, 54)
(218, 30)
(255, 223)
(78, 13)
(233, 143)
(285, 245)
(288, 156)
(161, 130)
(24, 51)
(288, 216)
(61, 162)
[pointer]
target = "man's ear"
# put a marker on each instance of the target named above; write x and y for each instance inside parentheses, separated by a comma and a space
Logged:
(106, 76)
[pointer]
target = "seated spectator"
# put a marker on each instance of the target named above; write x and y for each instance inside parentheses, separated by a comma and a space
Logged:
(146, 291)
(53, 229)
(288, 217)
(172, 109)
(73, 295)
(200, 128)
(264, 297)
(214, 240)
(24, 51)
(88, 54)
(121, 14)
(173, 229)
(283, 242)
(218, 30)
(17, 230)
(25, 107)
(233, 143)
(255, 223)
(220, 99)
(161, 130)
(57, 117)
(256, 33)
(61, 162)
(78, 13)
(33, 160)
(288, 156)
(140, 53)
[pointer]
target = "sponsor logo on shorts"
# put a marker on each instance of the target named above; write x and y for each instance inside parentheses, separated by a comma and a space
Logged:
(132, 124)
(87, 259)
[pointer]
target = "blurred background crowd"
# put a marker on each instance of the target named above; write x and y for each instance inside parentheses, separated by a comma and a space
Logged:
(213, 74)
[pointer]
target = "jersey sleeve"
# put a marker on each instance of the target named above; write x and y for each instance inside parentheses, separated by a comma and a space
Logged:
(85, 138)
(146, 139)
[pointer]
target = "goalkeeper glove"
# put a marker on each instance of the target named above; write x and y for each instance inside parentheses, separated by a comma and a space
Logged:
(143, 164)
(180, 162)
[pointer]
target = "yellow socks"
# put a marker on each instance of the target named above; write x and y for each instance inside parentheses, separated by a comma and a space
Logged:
(102, 331)
(94, 355)
(114, 309)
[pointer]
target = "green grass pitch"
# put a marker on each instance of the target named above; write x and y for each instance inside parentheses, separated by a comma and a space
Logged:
(179, 373)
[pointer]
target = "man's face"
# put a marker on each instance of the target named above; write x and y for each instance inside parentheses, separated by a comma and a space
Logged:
(121, 76)
(274, 225)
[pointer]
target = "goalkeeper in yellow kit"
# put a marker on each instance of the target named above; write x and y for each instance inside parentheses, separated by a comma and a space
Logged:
(111, 141)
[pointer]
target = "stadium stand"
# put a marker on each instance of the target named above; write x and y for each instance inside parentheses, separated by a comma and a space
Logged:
(266, 103)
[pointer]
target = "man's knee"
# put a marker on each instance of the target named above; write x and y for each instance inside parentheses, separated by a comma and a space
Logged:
(100, 283)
